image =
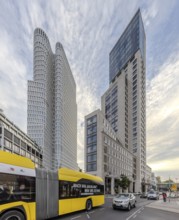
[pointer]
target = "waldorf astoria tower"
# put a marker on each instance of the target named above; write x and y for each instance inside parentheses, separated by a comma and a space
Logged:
(124, 103)
(124, 106)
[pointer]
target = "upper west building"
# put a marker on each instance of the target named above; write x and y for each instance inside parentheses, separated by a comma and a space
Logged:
(124, 102)
(52, 108)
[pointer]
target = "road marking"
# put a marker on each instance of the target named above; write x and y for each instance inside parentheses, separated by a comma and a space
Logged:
(91, 212)
(87, 216)
(76, 217)
(133, 214)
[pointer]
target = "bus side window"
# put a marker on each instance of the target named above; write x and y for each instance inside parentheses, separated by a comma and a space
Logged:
(64, 189)
(75, 192)
(4, 192)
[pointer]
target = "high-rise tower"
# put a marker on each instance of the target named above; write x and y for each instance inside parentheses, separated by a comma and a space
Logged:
(52, 108)
(124, 103)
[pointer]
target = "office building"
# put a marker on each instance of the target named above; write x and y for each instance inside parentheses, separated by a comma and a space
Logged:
(148, 182)
(14, 140)
(52, 108)
(105, 156)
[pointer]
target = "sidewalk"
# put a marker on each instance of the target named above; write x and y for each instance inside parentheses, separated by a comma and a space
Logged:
(171, 205)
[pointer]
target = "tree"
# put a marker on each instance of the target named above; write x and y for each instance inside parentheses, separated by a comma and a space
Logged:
(169, 181)
(158, 178)
(80, 170)
(123, 182)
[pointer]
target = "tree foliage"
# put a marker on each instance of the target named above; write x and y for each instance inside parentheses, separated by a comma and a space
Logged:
(80, 170)
(169, 181)
(158, 179)
(123, 182)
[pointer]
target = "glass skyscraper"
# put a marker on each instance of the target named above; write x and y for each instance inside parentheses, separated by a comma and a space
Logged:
(132, 40)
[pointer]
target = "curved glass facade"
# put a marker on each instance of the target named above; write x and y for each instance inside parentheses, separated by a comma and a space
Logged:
(52, 108)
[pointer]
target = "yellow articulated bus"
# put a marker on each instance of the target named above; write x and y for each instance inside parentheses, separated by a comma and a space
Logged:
(29, 193)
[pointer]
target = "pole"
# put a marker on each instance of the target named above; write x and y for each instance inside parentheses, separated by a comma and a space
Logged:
(169, 190)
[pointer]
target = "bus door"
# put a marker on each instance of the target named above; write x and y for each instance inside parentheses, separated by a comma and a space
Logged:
(65, 202)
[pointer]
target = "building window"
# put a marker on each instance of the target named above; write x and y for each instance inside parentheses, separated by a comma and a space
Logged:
(16, 140)
(91, 148)
(7, 144)
(92, 129)
(91, 158)
(8, 134)
(91, 120)
(16, 149)
(91, 139)
(134, 62)
(91, 167)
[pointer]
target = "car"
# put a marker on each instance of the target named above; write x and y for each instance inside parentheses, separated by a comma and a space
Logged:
(153, 195)
(124, 201)
(143, 195)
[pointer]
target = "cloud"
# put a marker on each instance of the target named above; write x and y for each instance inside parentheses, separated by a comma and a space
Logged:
(163, 116)
(154, 14)
(88, 31)
(87, 102)
(13, 95)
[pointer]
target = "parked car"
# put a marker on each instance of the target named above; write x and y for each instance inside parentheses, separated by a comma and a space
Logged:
(144, 195)
(153, 195)
(124, 201)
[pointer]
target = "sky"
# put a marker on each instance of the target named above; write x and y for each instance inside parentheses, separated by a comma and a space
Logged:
(88, 31)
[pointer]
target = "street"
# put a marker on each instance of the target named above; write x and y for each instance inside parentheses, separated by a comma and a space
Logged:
(106, 212)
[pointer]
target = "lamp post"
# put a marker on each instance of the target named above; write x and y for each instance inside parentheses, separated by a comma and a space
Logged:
(169, 189)
(177, 187)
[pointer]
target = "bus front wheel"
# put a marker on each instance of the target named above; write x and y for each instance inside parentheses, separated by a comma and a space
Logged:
(13, 215)
(88, 205)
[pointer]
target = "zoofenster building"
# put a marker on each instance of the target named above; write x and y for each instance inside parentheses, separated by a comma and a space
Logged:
(52, 108)
(124, 103)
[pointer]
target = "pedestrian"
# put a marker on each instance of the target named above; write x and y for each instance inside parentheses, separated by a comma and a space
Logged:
(164, 196)
(4, 193)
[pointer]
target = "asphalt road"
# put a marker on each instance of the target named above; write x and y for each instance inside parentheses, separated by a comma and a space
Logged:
(106, 212)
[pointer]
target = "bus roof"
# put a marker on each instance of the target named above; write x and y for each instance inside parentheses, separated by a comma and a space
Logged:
(16, 160)
(73, 175)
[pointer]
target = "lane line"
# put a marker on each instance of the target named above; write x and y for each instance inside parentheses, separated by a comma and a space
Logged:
(133, 214)
(76, 217)
(87, 216)
(91, 212)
